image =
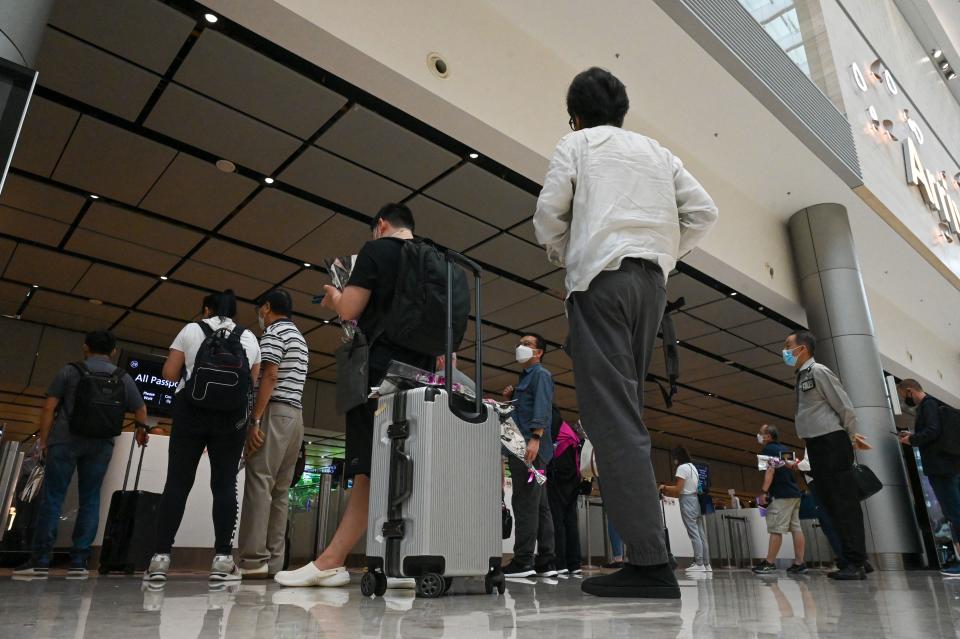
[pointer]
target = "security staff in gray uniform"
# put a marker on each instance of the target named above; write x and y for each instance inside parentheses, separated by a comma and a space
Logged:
(827, 422)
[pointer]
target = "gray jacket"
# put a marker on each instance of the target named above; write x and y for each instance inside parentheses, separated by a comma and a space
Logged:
(823, 406)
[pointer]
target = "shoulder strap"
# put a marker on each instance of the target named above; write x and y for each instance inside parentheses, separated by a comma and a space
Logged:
(236, 333)
(206, 328)
(81, 368)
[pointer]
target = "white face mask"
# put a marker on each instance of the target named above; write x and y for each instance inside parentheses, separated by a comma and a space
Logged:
(524, 354)
(759, 438)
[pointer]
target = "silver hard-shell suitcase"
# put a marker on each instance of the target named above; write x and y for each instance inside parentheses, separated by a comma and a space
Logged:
(434, 511)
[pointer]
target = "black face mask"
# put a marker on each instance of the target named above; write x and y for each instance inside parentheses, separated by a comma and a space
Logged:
(909, 401)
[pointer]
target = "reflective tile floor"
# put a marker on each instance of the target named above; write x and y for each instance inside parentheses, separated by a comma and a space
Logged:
(728, 604)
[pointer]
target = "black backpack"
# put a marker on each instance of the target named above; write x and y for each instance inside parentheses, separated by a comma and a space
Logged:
(949, 439)
(417, 318)
(221, 372)
(99, 403)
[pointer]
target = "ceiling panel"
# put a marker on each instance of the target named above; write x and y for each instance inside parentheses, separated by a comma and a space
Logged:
(196, 192)
(689, 327)
(308, 281)
(727, 313)
(147, 329)
(11, 297)
(121, 252)
(43, 199)
(447, 227)
(488, 332)
(107, 160)
(32, 227)
(720, 343)
(527, 312)
(526, 231)
(288, 217)
(762, 332)
(140, 229)
(48, 269)
(387, 148)
(326, 339)
(779, 371)
(484, 195)
(691, 290)
(555, 282)
(243, 260)
(113, 285)
(201, 122)
(754, 357)
(68, 312)
(45, 132)
(218, 279)
(514, 256)
(501, 293)
(555, 329)
(250, 82)
(326, 175)
(340, 235)
(93, 76)
(557, 360)
(124, 26)
(174, 300)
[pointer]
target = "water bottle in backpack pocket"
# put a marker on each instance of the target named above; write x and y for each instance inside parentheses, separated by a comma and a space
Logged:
(221, 373)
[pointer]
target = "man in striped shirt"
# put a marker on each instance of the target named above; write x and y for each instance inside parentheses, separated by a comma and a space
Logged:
(274, 437)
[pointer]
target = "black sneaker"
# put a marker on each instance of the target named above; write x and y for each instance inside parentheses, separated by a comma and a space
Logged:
(848, 573)
(867, 567)
(647, 582)
(797, 569)
(516, 569)
(31, 569)
(575, 570)
(764, 568)
(78, 569)
(546, 569)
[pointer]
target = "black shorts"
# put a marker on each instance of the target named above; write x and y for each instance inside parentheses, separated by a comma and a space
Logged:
(359, 453)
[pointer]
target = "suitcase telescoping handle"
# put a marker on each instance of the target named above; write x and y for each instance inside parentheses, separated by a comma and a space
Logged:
(478, 413)
(126, 474)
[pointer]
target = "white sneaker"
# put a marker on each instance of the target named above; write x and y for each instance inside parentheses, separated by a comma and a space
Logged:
(696, 568)
(399, 583)
(224, 568)
(310, 575)
(709, 568)
(158, 569)
(263, 572)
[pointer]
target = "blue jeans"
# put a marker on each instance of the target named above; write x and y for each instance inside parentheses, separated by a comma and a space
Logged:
(616, 543)
(947, 490)
(826, 524)
(90, 458)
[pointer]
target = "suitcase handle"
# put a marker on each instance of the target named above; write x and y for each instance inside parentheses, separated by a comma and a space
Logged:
(479, 413)
(126, 474)
(402, 483)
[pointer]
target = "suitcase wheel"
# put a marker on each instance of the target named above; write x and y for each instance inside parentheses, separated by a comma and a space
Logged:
(492, 581)
(373, 584)
(430, 585)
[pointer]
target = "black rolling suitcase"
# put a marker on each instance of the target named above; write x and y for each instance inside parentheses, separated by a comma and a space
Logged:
(130, 532)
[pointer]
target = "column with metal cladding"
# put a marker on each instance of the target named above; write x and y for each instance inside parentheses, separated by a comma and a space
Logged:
(22, 24)
(833, 294)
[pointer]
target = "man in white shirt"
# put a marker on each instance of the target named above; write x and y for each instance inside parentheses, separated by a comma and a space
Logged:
(617, 210)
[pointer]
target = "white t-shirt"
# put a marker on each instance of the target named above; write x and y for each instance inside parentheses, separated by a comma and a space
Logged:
(190, 338)
(691, 478)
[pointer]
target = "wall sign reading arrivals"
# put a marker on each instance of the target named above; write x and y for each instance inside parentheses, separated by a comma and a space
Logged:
(934, 189)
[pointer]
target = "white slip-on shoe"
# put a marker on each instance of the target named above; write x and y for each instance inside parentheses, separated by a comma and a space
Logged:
(310, 576)
(709, 568)
(696, 568)
(401, 583)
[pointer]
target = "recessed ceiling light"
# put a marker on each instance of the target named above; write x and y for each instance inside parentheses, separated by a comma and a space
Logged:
(474, 156)
(951, 75)
(94, 197)
(760, 309)
(734, 294)
(937, 54)
(944, 65)
(211, 18)
(164, 278)
(95, 301)
(226, 166)
(307, 265)
(268, 180)
(36, 286)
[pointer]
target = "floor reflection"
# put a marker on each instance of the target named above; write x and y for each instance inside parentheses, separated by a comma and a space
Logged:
(724, 604)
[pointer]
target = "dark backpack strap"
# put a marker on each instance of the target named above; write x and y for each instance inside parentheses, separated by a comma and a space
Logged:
(81, 368)
(207, 330)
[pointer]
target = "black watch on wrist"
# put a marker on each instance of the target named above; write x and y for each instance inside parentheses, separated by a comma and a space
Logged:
(535, 436)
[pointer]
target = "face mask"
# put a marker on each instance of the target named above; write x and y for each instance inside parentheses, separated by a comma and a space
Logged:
(524, 354)
(759, 438)
(260, 321)
(909, 401)
(789, 357)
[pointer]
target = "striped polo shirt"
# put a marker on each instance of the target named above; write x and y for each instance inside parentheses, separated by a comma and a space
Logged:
(283, 344)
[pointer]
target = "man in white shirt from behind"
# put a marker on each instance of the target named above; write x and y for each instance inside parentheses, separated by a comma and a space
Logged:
(617, 210)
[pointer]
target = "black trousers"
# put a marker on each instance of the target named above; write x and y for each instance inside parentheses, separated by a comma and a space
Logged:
(831, 464)
(533, 524)
(223, 436)
(563, 486)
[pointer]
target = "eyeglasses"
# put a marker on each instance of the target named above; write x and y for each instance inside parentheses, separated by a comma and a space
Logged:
(573, 125)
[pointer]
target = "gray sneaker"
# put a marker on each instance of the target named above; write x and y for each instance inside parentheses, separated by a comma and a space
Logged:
(158, 569)
(224, 569)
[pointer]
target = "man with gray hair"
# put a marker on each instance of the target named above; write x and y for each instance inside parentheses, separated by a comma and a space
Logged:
(781, 496)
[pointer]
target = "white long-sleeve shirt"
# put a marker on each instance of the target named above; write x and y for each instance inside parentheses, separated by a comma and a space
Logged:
(611, 194)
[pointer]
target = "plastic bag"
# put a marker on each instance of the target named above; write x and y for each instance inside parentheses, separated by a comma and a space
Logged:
(512, 440)
(31, 488)
(402, 376)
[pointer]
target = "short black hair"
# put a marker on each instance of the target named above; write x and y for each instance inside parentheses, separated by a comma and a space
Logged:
(541, 343)
(222, 304)
(100, 342)
(682, 456)
(773, 431)
(280, 301)
(597, 97)
(806, 338)
(396, 215)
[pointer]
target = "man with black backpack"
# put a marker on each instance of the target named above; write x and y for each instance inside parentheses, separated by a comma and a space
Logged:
(931, 436)
(385, 269)
(82, 415)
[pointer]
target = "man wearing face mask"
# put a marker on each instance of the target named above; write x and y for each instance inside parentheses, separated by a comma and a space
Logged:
(781, 496)
(827, 422)
(942, 469)
(273, 437)
(533, 399)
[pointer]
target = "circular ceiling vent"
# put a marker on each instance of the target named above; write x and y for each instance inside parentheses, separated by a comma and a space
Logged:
(437, 65)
